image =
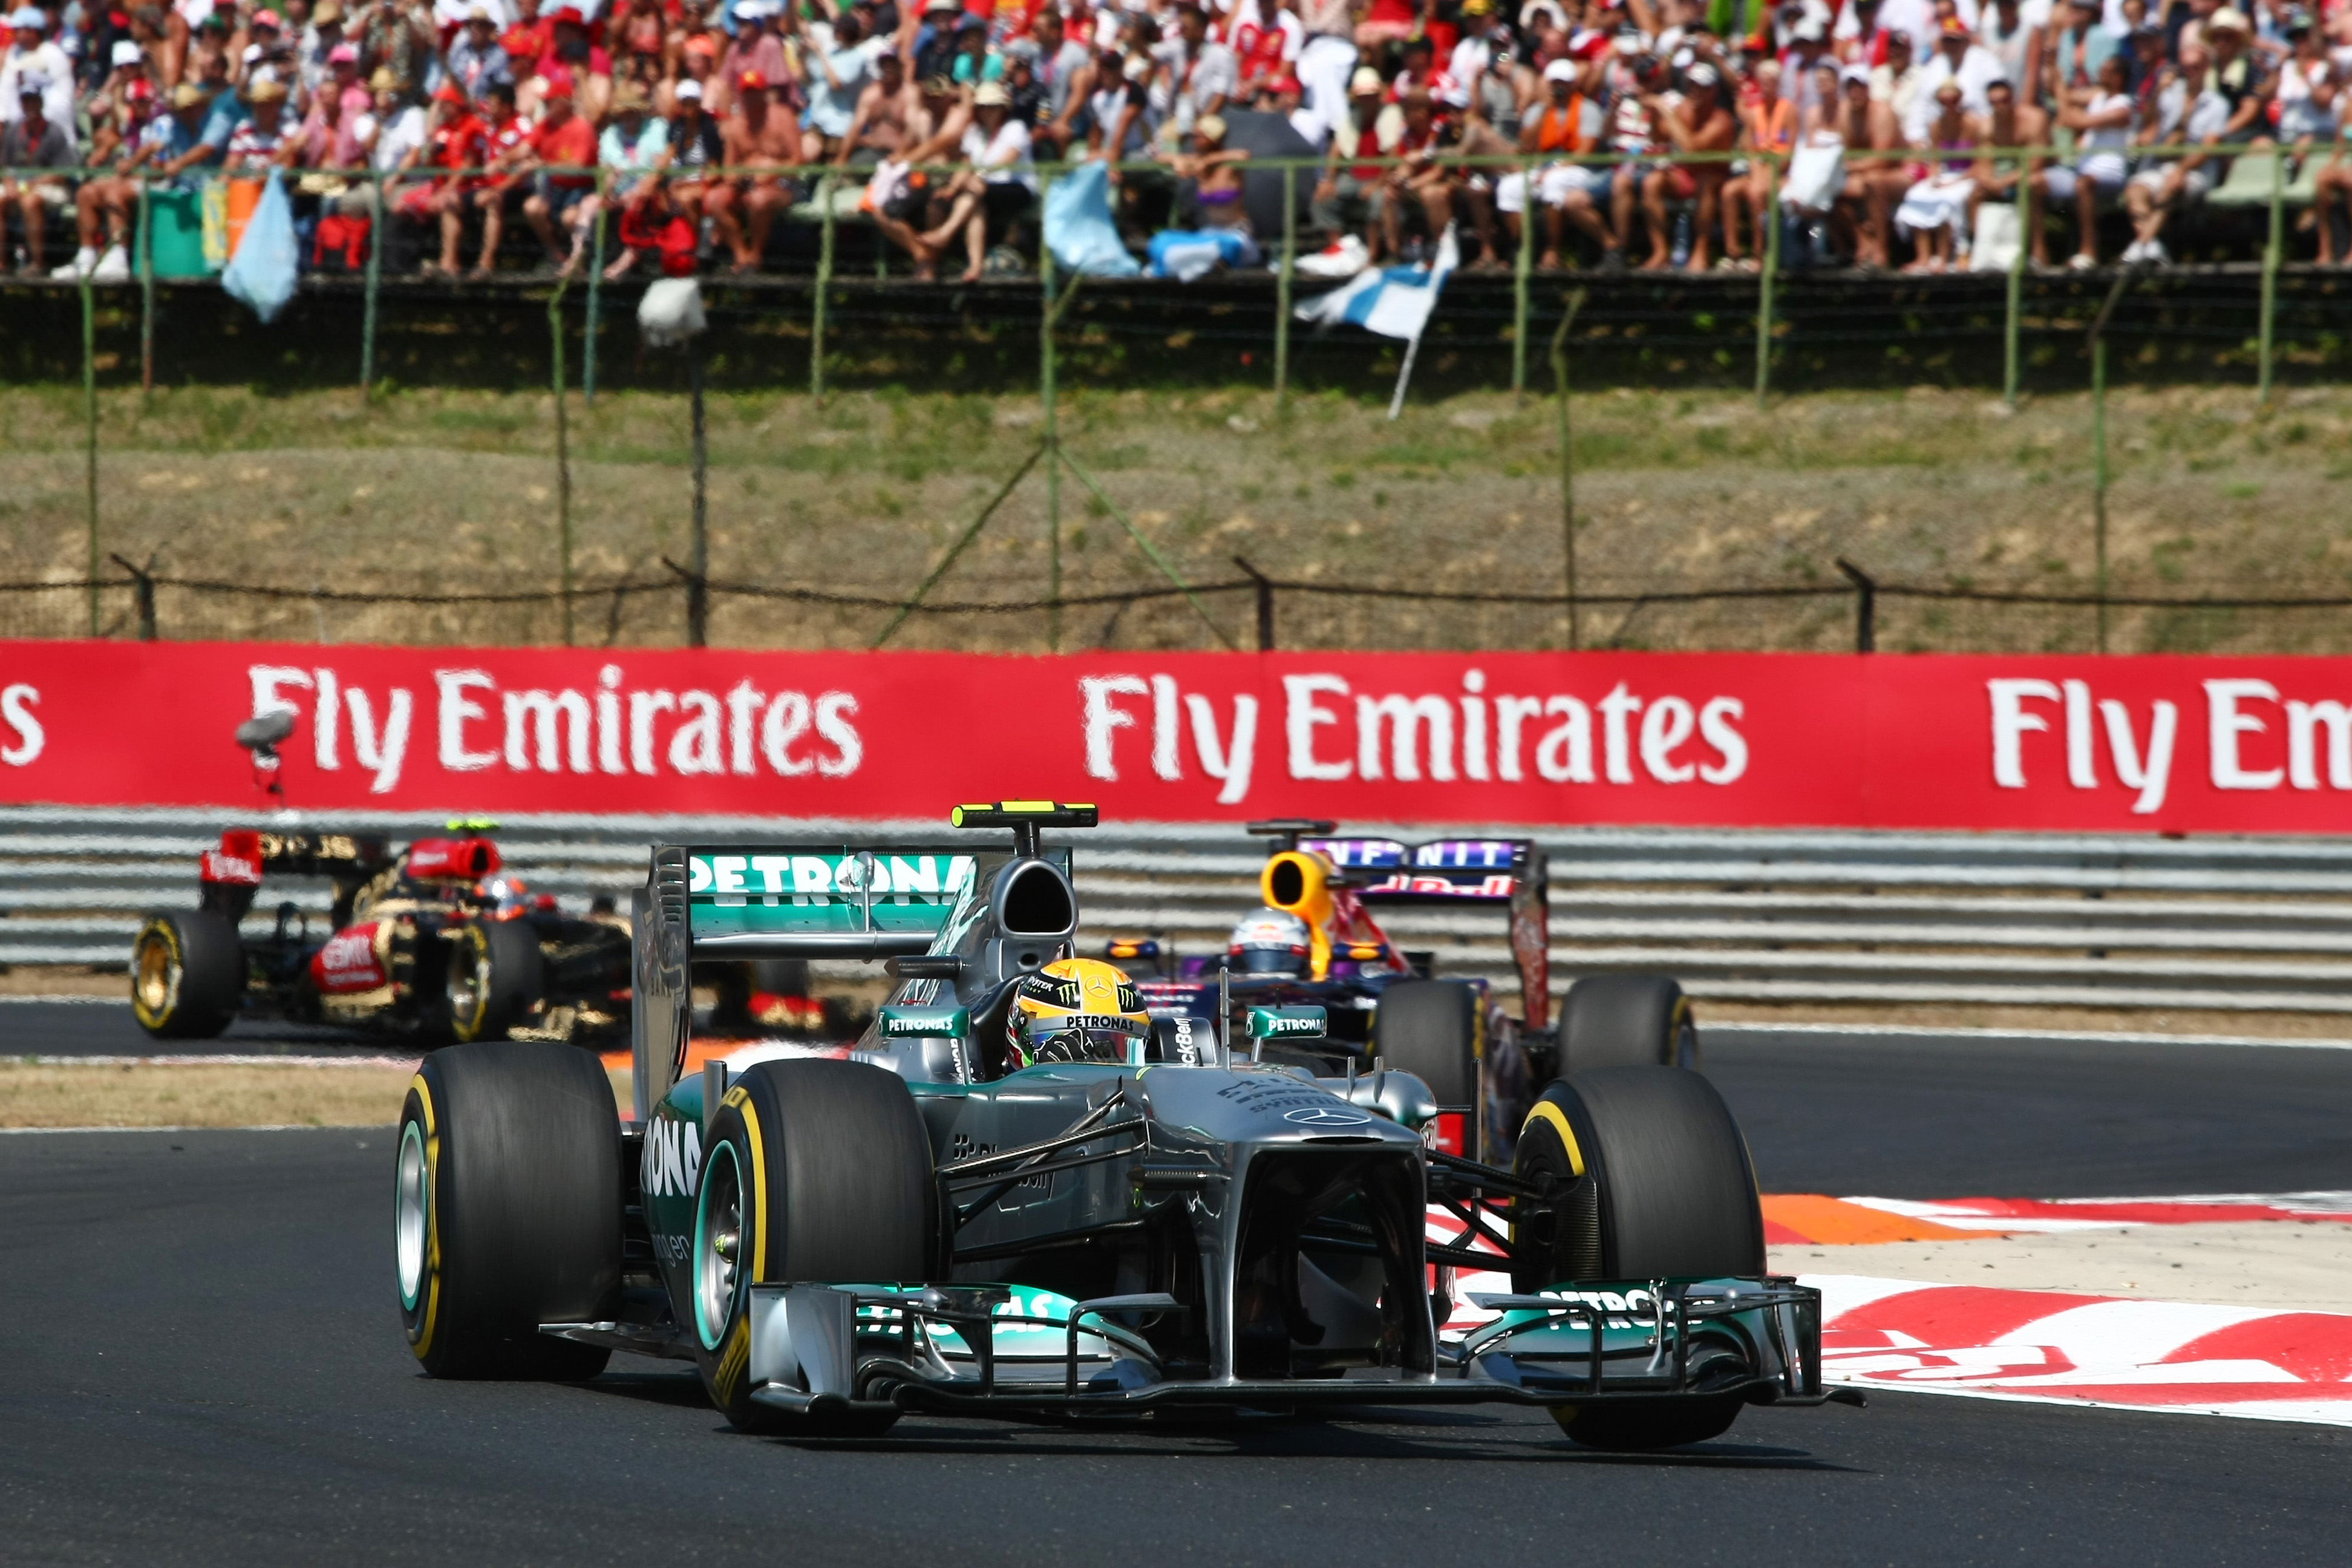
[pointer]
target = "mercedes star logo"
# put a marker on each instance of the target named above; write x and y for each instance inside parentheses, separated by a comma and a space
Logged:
(1326, 1116)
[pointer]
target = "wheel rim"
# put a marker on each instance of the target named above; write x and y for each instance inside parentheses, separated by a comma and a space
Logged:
(464, 986)
(155, 983)
(718, 1243)
(410, 1197)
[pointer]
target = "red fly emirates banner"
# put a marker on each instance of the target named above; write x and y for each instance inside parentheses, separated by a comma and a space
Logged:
(2172, 744)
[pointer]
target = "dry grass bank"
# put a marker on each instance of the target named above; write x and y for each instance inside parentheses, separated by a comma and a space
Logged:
(156, 1094)
(432, 490)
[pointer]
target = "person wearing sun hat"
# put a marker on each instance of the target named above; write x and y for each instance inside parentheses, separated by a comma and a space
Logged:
(474, 58)
(317, 39)
(33, 52)
(997, 186)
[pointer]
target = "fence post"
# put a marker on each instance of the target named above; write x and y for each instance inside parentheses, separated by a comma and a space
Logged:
(377, 228)
(595, 319)
(1567, 464)
(2099, 477)
(698, 587)
(2099, 445)
(1764, 281)
(146, 288)
(1264, 604)
(2009, 370)
(1282, 285)
(562, 452)
(1046, 390)
(1865, 606)
(89, 420)
(823, 287)
(2271, 258)
(1521, 265)
(142, 589)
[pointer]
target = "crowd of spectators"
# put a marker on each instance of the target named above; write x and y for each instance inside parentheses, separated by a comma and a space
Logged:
(696, 127)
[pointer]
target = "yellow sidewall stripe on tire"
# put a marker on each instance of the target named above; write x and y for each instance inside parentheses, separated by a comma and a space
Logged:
(740, 1099)
(138, 1004)
(1551, 1114)
(736, 1362)
(423, 1344)
(470, 1029)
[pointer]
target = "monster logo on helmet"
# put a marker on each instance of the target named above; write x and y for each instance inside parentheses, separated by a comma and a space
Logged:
(1077, 1010)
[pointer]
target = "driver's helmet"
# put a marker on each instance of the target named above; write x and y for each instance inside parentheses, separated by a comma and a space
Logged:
(1269, 942)
(502, 895)
(1077, 1010)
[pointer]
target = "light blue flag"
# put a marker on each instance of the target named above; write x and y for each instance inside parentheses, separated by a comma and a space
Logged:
(1079, 226)
(263, 272)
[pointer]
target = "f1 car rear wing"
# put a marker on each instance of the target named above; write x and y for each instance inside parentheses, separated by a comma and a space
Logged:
(1511, 871)
(836, 900)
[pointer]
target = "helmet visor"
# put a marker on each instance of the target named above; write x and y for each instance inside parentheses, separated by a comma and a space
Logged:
(1116, 1046)
(1269, 961)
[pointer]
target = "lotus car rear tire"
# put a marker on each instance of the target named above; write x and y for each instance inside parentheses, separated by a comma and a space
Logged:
(187, 974)
(494, 978)
(1626, 1020)
(1429, 1029)
(812, 1170)
(1672, 1197)
(508, 1200)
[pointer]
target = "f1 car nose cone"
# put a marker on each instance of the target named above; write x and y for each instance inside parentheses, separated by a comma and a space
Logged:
(1326, 1116)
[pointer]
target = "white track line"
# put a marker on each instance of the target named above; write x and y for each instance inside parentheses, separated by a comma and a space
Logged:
(2085, 1036)
(406, 1064)
(264, 1126)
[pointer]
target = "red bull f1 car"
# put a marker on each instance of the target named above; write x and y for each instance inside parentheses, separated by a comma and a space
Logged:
(1315, 943)
(435, 942)
(963, 1215)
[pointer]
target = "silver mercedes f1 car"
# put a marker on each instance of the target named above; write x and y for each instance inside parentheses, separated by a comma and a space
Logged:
(919, 1222)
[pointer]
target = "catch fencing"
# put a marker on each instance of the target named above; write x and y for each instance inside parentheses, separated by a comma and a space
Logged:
(2097, 921)
(1853, 609)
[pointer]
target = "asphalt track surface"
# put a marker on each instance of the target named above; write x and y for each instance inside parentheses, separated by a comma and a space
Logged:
(204, 1365)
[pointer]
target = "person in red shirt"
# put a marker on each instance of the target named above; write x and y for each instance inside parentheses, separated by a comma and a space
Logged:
(507, 146)
(587, 64)
(655, 229)
(456, 139)
(531, 37)
(565, 139)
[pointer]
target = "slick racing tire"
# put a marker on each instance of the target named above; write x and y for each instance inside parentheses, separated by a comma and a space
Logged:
(812, 1170)
(1429, 1029)
(187, 974)
(508, 1210)
(1626, 1020)
(1672, 1195)
(494, 978)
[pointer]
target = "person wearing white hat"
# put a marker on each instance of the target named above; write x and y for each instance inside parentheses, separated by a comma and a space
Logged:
(34, 142)
(32, 52)
(1350, 195)
(998, 184)
(1560, 188)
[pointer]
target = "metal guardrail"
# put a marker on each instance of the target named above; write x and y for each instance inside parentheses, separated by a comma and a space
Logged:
(2076, 921)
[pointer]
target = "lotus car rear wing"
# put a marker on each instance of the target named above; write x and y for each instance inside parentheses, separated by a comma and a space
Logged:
(1511, 871)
